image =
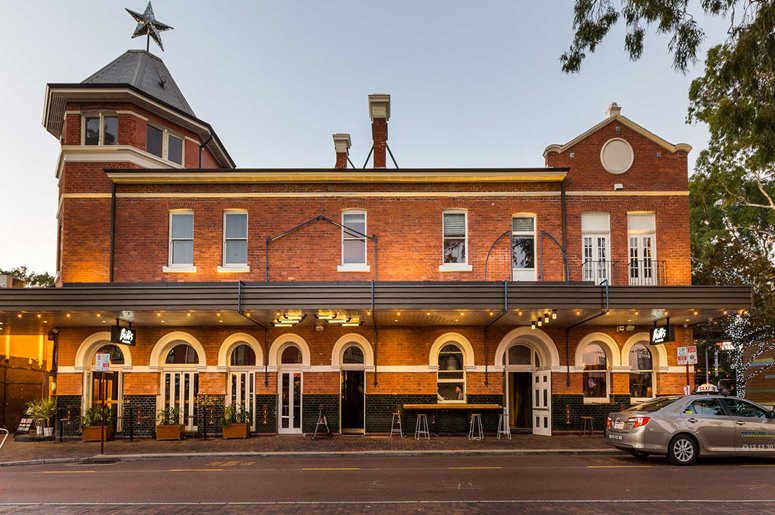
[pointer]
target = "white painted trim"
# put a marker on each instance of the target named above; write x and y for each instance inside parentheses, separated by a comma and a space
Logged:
(110, 154)
(605, 165)
(401, 194)
(231, 343)
(608, 344)
(90, 345)
(455, 267)
(168, 341)
(179, 269)
(457, 338)
(352, 339)
(536, 339)
(353, 267)
(280, 343)
(84, 196)
(658, 352)
(233, 269)
(132, 113)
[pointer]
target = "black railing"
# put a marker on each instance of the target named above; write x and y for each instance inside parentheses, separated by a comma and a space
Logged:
(633, 272)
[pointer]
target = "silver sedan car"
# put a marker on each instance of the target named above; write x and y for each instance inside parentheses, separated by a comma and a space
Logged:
(684, 428)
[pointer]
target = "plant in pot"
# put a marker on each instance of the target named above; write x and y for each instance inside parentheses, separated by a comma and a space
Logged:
(236, 421)
(91, 424)
(168, 425)
(43, 411)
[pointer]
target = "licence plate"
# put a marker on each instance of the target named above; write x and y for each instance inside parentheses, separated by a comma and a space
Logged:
(618, 424)
(613, 436)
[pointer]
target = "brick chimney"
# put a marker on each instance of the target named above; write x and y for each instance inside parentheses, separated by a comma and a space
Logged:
(379, 111)
(342, 147)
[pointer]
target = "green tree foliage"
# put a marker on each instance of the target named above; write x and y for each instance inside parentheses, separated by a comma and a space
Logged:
(733, 187)
(30, 278)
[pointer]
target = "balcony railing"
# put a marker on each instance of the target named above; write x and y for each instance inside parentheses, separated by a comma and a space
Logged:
(633, 272)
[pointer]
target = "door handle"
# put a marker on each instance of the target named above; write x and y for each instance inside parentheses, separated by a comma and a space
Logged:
(692, 420)
(739, 422)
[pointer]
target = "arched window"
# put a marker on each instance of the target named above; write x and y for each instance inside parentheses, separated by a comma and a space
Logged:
(641, 372)
(451, 379)
(116, 355)
(353, 355)
(291, 355)
(182, 354)
(595, 371)
(243, 356)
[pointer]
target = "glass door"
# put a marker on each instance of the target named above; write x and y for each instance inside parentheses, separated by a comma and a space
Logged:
(242, 392)
(181, 389)
(108, 390)
(596, 261)
(642, 267)
(290, 402)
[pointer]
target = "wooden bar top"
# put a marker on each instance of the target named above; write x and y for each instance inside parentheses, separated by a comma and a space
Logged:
(452, 406)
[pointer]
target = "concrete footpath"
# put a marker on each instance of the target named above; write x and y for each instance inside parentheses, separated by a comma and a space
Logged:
(28, 453)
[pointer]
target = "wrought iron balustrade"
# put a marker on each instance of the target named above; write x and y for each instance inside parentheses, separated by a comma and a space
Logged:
(633, 272)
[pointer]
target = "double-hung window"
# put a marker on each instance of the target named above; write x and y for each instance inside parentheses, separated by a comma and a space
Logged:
(100, 129)
(596, 247)
(523, 257)
(455, 242)
(353, 242)
(181, 242)
(162, 143)
(235, 242)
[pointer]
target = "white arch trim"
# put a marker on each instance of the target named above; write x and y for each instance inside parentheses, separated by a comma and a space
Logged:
(352, 338)
(281, 342)
(658, 352)
(167, 342)
(459, 339)
(608, 345)
(536, 339)
(232, 342)
(90, 346)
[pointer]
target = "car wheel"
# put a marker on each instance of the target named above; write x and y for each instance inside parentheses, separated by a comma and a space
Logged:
(639, 454)
(682, 450)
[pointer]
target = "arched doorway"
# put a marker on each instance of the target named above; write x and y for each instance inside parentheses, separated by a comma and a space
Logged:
(241, 356)
(352, 355)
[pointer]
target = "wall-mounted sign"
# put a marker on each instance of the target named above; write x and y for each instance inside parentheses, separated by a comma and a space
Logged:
(123, 335)
(687, 355)
(663, 334)
(102, 363)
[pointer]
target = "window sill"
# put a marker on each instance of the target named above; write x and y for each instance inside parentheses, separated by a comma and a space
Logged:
(455, 267)
(179, 269)
(234, 269)
(596, 400)
(640, 400)
(353, 268)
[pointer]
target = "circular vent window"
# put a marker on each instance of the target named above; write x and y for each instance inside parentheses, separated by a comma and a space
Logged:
(616, 156)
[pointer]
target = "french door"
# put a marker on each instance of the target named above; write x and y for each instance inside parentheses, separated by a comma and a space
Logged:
(642, 265)
(290, 403)
(110, 391)
(597, 264)
(181, 389)
(242, 392)
(542, 402)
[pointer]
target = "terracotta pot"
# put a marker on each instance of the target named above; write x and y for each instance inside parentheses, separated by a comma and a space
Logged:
(93, 433)
(171, 432)
(236, 431)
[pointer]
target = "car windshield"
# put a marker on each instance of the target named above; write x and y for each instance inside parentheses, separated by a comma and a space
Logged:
(655, 405)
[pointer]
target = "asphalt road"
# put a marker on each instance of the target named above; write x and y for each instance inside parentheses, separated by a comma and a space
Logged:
(487, 484)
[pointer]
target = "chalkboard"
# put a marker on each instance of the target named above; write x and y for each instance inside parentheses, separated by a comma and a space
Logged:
(25, 423)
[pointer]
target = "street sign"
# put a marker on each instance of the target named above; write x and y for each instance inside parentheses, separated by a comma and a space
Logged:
(687, 355)
(123, 335)
(103, 363)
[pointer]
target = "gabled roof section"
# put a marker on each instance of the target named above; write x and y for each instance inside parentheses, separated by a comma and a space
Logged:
(145, 72)
(614, 114)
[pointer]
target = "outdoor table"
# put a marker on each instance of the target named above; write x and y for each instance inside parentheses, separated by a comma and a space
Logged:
(452, 406)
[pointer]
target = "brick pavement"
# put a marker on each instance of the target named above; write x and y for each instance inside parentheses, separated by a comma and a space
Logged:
(73, 449)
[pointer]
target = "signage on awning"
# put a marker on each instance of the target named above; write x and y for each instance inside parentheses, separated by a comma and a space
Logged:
(663, 334)
(123, 335)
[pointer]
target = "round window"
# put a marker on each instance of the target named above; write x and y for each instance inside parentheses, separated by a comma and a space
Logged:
(616, 156)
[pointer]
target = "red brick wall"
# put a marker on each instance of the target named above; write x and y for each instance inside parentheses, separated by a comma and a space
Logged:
(69, 384)
(146, 383)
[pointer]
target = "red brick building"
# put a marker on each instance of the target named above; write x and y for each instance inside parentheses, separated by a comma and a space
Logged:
(358, 290)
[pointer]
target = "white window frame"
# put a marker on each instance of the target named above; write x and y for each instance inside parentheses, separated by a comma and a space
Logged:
(165, 135)
(607, 372)
(355, 267)
(234, 267)
(179, 268)
(652, 371)
(101, 138)
(524, 274)
(596, 233)
(638, 234)
(462, 370)
(455, 267)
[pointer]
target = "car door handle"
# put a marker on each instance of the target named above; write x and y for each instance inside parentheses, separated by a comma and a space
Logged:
(692, 420)
(739, 423)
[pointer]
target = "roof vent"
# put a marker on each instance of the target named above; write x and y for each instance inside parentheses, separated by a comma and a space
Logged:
(613, 110)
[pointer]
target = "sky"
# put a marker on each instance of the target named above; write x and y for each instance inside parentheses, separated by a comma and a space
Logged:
(472, 84)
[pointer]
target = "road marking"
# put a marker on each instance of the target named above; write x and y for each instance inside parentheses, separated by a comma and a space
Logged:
(474, 468)
(618, 466)
(196, 470)
(759, 465)
(68, 472)
(330, 468)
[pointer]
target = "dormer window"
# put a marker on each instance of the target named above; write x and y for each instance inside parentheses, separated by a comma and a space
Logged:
(100, 129)
(162, 143)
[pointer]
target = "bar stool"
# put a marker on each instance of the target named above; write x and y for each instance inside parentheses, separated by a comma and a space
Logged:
(587, 427)
(475, 431)
(504, 428)
(395, 425)
(421, 428)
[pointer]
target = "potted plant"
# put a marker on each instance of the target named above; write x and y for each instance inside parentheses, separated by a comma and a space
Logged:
(168, 425)
(42, 412)
(236, 422)
(91, 424)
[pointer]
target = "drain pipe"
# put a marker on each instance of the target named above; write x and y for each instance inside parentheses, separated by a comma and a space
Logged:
(112, 231)
(262, 326)
(376, 333)
(603, 311)
(487, 328)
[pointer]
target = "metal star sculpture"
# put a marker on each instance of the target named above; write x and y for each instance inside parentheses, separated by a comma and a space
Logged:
(147, 25)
